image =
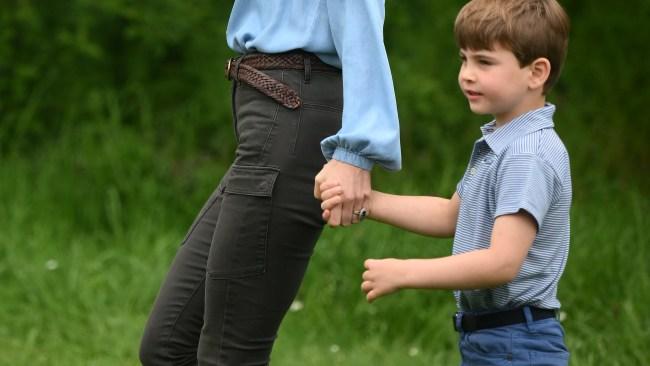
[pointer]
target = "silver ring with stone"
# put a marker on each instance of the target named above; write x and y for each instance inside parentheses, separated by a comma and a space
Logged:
(362, 213)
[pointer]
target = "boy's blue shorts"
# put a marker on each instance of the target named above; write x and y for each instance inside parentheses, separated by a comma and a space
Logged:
(535, 343)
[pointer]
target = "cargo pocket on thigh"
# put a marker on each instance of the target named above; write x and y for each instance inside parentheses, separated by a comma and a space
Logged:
(239, 242)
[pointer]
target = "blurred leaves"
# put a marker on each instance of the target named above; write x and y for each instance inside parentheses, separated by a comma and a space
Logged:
(156, 66)
(160, 59)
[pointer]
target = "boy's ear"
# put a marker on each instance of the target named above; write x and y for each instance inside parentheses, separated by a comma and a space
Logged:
(540, 69)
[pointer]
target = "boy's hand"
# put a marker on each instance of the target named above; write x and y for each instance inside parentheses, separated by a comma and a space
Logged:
(382, 277)
(331, 194)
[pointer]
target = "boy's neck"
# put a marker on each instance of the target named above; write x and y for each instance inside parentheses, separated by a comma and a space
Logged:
(525, 107)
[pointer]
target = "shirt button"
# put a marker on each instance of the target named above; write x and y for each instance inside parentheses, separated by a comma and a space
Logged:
(472, 171)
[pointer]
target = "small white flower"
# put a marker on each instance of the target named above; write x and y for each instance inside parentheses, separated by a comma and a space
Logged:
(296, 306)
(414, 351)
(335, 348)
(562, 316)
(51, 264)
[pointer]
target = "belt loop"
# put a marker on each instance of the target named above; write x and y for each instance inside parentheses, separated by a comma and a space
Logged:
(529, 317)
(238, 60)
(307, 60)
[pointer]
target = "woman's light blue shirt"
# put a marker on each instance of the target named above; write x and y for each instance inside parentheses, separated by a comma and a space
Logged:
(347, 34)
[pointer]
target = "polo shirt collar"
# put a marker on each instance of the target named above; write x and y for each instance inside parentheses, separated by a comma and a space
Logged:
(499, 138)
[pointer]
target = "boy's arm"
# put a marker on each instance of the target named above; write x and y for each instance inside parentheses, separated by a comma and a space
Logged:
(426, 215)
(512, 236)
(432, 216)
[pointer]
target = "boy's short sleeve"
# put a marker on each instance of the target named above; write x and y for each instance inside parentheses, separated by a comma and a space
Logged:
(460, 188)
(524, 182)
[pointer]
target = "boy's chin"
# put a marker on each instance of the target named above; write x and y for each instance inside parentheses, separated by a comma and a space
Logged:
(479, 111)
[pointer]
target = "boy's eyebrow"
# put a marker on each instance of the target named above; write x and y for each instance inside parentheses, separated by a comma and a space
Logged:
(475, 54)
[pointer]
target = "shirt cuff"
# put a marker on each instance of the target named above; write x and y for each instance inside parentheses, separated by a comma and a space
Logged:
(352, 158)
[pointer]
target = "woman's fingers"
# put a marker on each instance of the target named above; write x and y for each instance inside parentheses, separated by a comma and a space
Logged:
(331, 192)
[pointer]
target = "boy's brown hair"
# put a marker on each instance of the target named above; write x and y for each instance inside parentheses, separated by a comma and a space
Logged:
(529, 28)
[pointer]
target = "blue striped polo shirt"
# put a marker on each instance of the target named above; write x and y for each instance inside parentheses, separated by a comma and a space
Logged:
(522, 165)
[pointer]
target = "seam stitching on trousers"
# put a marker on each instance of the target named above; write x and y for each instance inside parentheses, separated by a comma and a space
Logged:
(322, 107)
(198, 220)
(223, 320)
(268, 135)
(169, 337)
(297, 129)
(171, 332)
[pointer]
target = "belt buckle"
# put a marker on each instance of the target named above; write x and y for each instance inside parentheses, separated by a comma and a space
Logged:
(228, 68)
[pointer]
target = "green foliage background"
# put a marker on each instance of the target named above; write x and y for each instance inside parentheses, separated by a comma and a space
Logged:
(115, 126)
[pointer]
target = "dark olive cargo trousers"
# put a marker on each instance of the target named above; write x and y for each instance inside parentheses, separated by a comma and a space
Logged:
(243, 259)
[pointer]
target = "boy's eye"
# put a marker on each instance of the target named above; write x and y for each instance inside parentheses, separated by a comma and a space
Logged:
(484, 62)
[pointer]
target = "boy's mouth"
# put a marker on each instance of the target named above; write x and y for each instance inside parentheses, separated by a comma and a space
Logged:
(472, 95)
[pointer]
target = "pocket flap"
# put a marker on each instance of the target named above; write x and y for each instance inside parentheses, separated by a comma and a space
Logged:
(251, 180)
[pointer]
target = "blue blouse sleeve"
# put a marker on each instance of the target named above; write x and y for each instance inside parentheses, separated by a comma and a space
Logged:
(370, 129)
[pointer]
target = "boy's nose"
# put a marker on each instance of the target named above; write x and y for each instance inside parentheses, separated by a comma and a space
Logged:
(466, 74)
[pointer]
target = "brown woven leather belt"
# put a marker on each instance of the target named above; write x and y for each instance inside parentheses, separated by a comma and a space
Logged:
(247, 68)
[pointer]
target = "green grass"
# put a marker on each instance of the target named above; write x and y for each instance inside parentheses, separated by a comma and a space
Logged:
(90, 223)
(105, 159)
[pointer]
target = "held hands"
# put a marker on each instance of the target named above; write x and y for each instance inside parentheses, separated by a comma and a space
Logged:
(354, 191)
